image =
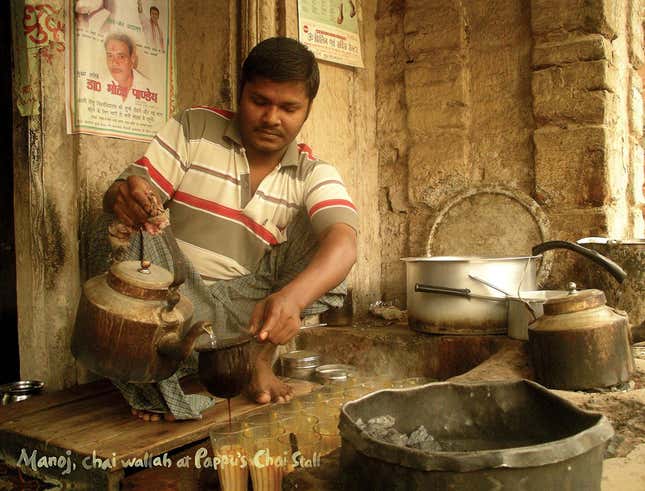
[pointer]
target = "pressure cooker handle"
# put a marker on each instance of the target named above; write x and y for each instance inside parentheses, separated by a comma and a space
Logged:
(614, 269)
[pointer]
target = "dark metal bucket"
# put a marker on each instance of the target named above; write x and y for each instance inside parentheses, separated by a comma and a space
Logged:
(499, 435)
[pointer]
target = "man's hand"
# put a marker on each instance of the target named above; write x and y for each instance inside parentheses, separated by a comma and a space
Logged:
(276, 318)
(134, 202)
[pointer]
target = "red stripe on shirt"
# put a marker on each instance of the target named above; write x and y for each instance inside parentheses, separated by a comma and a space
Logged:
(304, 148)
(156, 176)
(222, 112)
(227, 212)
(331, 202)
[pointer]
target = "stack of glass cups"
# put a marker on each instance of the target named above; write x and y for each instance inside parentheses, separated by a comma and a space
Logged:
(329, 434)
(229, 456)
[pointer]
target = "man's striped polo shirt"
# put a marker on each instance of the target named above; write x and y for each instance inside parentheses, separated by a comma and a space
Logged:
(198, 165)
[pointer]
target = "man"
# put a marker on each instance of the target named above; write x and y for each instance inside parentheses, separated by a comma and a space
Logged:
(237, 188)
(151, 28)
(121, 60)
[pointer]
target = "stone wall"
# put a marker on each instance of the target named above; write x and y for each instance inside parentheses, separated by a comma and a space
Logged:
(588, 109)
(537, 100)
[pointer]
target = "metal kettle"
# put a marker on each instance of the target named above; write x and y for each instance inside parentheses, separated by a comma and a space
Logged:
(580, 342)
(132, 324)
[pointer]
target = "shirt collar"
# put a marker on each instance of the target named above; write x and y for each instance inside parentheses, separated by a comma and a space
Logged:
(291, 157)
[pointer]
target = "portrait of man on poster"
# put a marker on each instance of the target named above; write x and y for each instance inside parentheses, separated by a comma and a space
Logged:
(151, 28)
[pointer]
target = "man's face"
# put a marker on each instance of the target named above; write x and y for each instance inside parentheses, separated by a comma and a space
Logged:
(271, 114)
(119, 61)
(154, 15)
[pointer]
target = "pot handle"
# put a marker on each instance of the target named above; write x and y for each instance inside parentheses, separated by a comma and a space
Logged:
(614, 269)
(459, 292)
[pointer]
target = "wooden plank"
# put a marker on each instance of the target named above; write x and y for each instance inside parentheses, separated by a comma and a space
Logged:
(40, 424)
(48, 400)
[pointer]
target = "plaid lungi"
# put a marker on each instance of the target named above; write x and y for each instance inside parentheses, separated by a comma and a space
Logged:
(228, 304)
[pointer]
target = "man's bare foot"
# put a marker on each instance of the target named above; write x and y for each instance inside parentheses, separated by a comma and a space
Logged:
(352, 11)
(340, 18)
(150, 416)
(266, 387)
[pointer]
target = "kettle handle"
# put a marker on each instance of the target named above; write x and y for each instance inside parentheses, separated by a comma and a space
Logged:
(614, 269)
(179, 267)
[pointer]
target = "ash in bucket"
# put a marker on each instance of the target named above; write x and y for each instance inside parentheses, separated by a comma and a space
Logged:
(382, 428)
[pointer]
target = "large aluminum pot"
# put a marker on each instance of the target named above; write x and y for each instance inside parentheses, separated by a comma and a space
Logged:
(444, 298)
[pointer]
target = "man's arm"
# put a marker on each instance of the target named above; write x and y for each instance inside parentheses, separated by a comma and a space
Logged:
(277, 318)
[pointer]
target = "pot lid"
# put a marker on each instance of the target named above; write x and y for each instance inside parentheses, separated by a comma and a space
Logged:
(493, 221)
(574, 301)
(134, 273)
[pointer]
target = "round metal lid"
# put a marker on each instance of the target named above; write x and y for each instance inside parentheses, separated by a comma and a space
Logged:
(337, 375)
(300, 359)
(574, 301)
(151, 278)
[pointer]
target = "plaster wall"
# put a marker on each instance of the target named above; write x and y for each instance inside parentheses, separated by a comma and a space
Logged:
(341, 129)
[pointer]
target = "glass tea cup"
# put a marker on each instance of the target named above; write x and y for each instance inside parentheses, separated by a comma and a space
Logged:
(229, 456)
(267, 455)
(266, 418)
(329, 434)
(304, 450)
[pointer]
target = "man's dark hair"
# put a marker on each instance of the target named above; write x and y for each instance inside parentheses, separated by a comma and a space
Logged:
(119, 36)
(155, 9)
(282, 59)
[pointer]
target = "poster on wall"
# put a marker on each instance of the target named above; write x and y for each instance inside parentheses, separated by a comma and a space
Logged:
(118, 67)
(329, 28)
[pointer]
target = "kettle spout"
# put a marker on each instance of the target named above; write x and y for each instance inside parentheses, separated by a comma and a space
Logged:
(172, 345)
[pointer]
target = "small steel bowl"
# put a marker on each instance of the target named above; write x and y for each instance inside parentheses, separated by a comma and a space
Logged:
(20, 390)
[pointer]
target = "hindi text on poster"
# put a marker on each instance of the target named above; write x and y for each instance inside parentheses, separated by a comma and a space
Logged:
(329, 28)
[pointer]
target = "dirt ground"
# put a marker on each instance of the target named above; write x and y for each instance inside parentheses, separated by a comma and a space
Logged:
(624, 467)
